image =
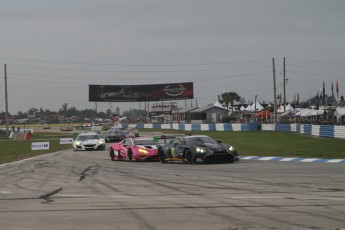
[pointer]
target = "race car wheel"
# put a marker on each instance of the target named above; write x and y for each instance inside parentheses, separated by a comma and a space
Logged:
(112, 155)
(230, 159)
(189, 157)
(130, 155)
(162, 157)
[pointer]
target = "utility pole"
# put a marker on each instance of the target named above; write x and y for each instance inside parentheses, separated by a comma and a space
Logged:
(284, 85)
(6, 104)
(274, 92)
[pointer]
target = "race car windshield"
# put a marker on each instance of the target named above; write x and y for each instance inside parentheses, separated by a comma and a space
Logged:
(144, 142)
(115, 132)
(88, 137)
(199, 140)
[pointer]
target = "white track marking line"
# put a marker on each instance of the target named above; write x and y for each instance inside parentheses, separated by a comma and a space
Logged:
(5, 192)
(96, 196)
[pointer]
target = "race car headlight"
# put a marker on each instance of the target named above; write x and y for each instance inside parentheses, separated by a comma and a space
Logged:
(101, 142)
(231, 148)
(77, 142)
(143, 151)
(200, 150)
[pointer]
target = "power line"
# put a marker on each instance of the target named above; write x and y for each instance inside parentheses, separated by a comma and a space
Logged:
(49, 99)
(318, 74)
(318, 61)
(199, 78)
(314, 67)
(130, 71)
(133, 65)
(50, 87)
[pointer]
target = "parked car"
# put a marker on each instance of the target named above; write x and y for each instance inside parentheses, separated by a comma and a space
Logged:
(46, 126)
(89, 141)
(190, 149)
(135, 149)
(87, 125)
(66, 128)
(114, 135)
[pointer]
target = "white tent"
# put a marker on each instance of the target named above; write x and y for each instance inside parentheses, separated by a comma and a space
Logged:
(252, 107)
(249, 108)
(287, 108)
(259, 107)
(217, 104)
(339, 112)
(288, 113)
(299, 113)
(319, 112)
(307, 112)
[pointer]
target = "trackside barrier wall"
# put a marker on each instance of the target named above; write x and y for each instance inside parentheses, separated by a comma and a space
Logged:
(329, 131)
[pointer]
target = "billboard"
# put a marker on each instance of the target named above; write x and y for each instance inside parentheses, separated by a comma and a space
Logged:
(133, 93)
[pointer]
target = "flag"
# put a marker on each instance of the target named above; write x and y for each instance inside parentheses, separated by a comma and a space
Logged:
(337, 88)
(320, 92)
(332, 90)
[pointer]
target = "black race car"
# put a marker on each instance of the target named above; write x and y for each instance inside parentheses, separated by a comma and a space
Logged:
(191, 149)
(114, 135)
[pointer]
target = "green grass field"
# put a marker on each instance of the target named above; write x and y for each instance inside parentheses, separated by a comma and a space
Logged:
(269, 143)
(12, 150)
(259, 143)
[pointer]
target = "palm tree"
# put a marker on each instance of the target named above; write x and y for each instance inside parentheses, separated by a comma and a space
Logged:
(229, 98)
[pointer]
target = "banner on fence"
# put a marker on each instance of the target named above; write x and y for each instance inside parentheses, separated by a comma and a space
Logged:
(40, 146)
(65, 141)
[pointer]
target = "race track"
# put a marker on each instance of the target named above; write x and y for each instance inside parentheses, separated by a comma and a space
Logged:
(86, 190)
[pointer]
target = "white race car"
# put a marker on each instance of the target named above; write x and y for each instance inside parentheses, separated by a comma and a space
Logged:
(89, 141)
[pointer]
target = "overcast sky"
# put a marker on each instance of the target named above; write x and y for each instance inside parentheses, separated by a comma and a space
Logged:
(55, 49)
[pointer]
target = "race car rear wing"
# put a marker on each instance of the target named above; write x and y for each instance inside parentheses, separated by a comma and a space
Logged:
(166, 137)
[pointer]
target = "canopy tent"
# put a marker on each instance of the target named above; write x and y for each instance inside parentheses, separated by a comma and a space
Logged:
(217, 104)
(252, 107)
(319, 112)
(249, 108)
(339, 112)
(287, 108)
(299, 113)
(307, 112)
(288, 113)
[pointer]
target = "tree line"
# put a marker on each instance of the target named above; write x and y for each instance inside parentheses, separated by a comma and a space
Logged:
(227, 99)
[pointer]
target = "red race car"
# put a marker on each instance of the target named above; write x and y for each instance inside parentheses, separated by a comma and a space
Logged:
(134, 149)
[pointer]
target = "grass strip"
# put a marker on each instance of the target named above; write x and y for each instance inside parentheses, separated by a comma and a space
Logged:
(13, 150)
(255, 143)
(272, 143)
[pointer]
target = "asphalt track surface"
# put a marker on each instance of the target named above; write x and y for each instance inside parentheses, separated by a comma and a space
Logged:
(86, 190)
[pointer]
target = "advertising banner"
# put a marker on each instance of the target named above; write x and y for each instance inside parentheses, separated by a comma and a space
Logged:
(40, 146)
(64, 141)
(96, 128)
(133, 93)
